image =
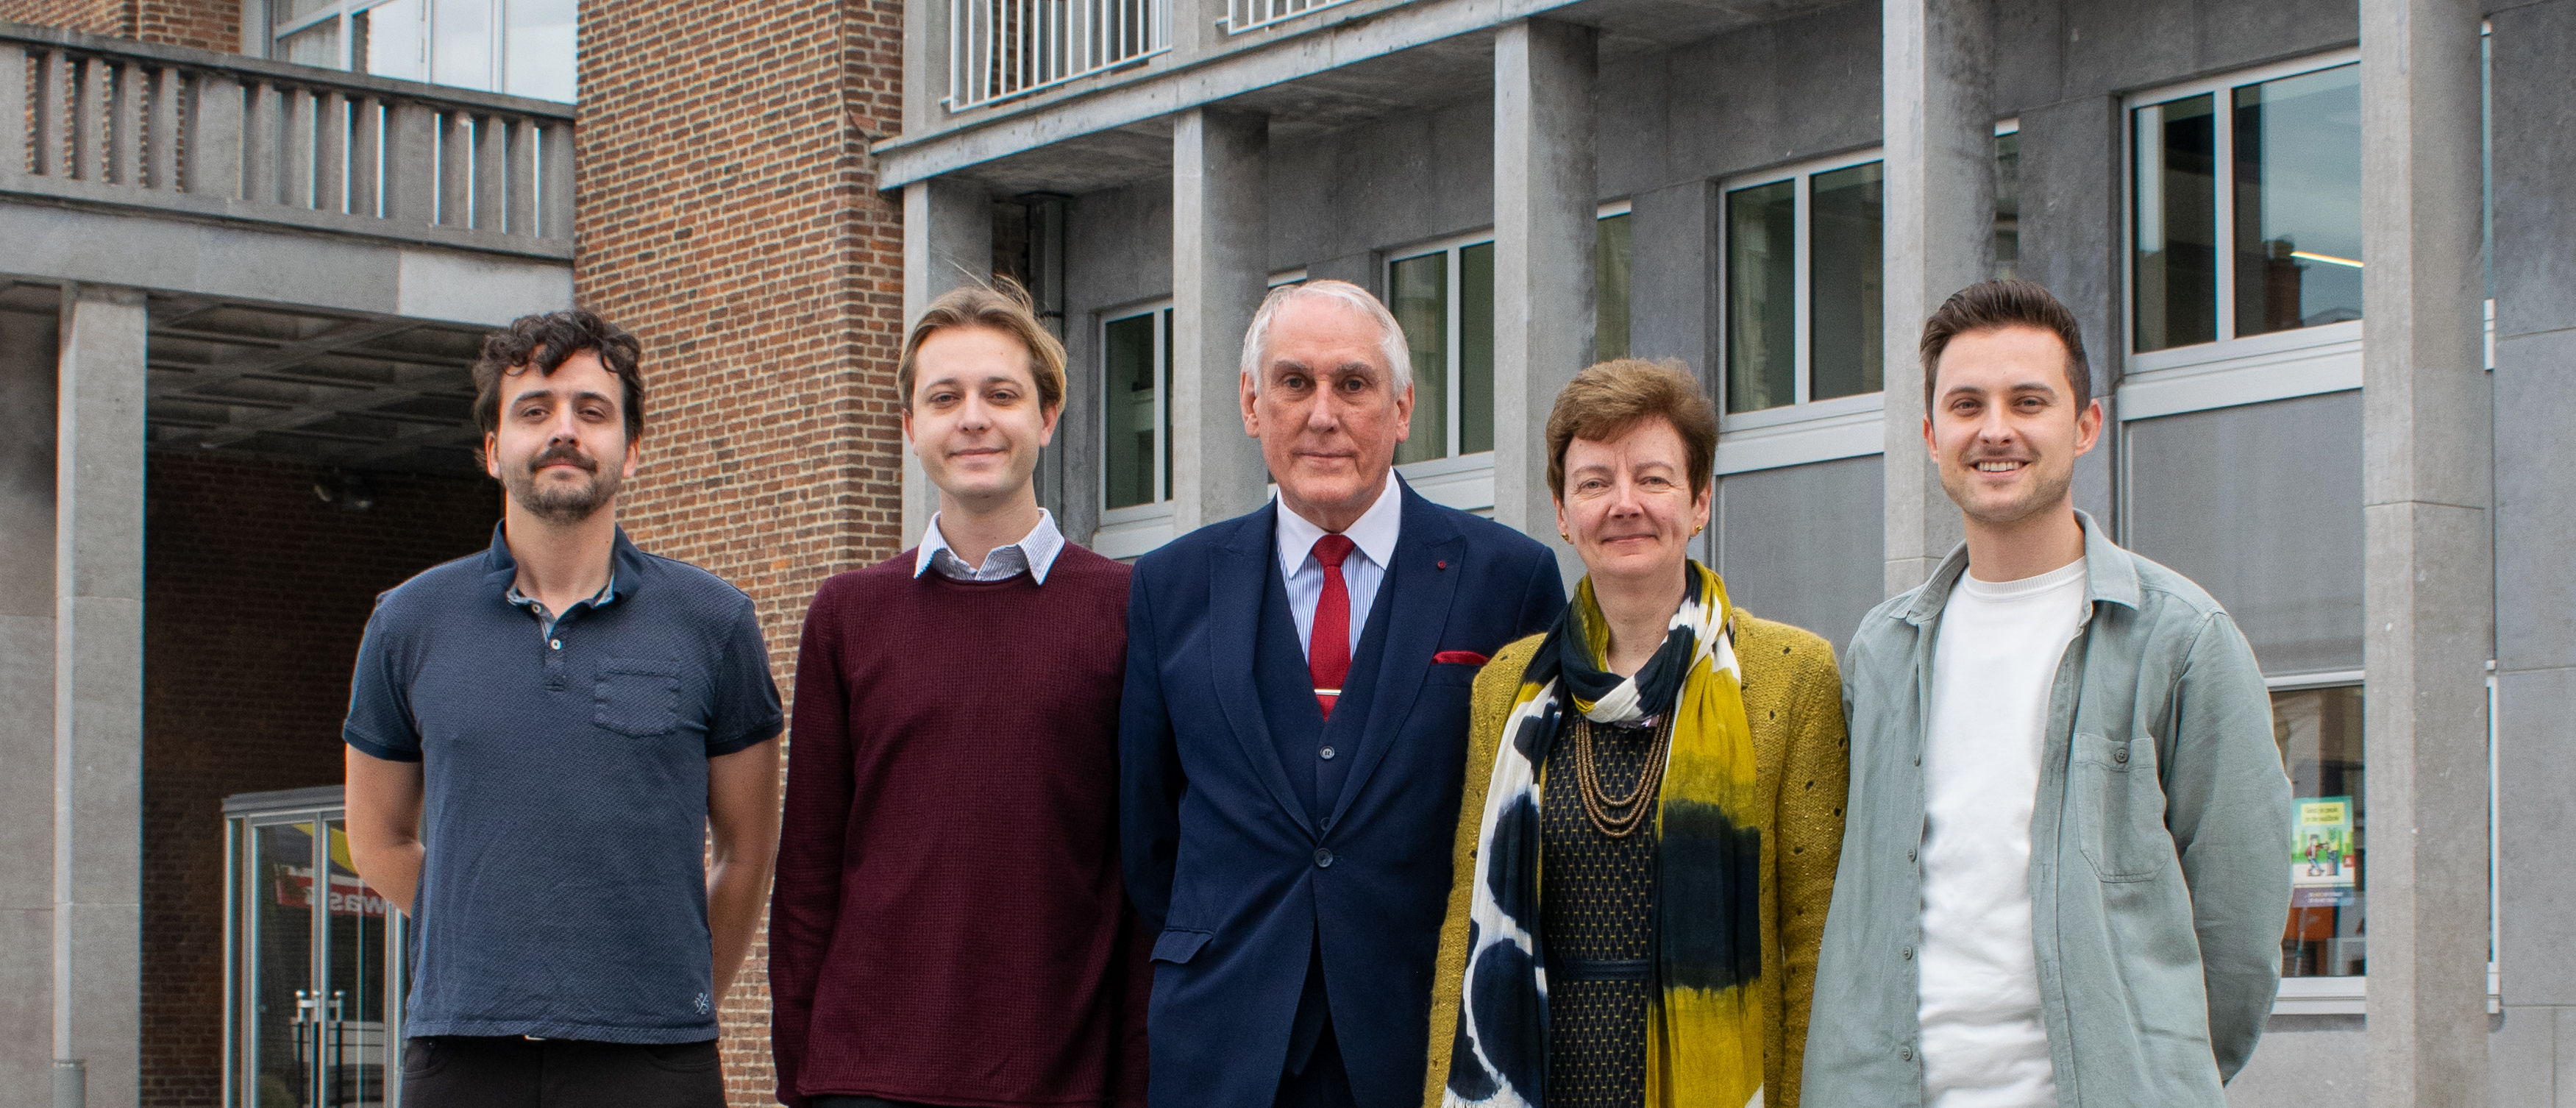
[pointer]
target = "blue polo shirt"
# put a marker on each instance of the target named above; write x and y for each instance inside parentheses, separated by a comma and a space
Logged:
(563, 888)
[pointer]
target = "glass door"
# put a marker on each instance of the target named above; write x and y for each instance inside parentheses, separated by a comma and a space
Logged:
(318, 969)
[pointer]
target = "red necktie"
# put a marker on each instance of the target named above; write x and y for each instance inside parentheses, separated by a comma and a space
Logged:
(1328, 650)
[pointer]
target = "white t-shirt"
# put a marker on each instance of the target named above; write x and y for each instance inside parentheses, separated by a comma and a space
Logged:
(1984, 1042)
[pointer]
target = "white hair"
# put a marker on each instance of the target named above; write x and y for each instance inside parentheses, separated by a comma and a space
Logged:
(1391, 347)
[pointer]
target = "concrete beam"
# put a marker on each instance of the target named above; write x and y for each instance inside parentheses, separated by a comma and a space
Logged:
(1938, 57)
(2428, 572)
(1220, 239)
(1545, 182)
(98, 691)
(947, 244)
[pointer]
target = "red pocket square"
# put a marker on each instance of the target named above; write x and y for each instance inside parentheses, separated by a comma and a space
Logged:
(1460, 657)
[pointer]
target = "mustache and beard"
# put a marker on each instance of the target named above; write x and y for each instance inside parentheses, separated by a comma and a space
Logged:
(557, 503)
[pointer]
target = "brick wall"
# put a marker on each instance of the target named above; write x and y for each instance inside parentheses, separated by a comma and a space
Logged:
(205, 24)
(255, 595)
(728, 215)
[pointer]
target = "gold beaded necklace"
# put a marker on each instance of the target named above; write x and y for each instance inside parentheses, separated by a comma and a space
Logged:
(1619, 816)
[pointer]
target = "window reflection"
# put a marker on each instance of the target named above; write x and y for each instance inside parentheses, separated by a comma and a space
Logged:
(1611, 248)
(2319, 732)
(2008, 205)
(1761, 296)
(2176, 281)
(1845, 291)
(2298, 201)
(1131, 411)
(1421, 305)
(1476, 347)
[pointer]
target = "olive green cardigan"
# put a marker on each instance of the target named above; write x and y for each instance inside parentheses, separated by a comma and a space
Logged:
(1793, 697)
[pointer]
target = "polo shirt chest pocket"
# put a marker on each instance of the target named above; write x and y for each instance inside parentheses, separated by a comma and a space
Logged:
(2119, 807)
(637, 697)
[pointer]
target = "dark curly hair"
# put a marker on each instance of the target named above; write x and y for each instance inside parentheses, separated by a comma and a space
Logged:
(542, 342)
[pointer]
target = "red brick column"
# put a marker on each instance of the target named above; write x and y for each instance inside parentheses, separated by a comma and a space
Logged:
(728, 215)
(204, 24)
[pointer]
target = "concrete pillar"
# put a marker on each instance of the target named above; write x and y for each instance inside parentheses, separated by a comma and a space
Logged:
(1220, 263)
(2427, 569)
(1938, 59)
(98, 693)
(947, 243)
(2071, 215)
(28, 353)
(1545, 185)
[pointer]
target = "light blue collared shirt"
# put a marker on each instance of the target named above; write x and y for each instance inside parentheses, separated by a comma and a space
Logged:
(1374, 535)
(1034, 554)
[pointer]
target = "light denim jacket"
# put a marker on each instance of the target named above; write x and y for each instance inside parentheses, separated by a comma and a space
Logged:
(2159, 856)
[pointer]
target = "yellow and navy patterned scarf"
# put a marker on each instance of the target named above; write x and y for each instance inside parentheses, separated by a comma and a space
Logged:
(1704, 1026)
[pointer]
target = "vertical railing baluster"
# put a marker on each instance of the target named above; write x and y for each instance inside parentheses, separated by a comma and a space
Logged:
(411, 163)
(555, 177)
(331, 153)
(89, 119)
(455, 169)
(262, 127)
(13, 110)
(124, 119)
(297, 148)
(53, 91)
(491, 172)
(521, 180)
(161, 134)
(215, 137)
(366, 156)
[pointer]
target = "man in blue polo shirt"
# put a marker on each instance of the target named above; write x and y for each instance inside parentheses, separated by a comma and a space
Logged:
(542, 739)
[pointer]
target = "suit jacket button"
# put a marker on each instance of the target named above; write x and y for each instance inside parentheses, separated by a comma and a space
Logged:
(1323, 858)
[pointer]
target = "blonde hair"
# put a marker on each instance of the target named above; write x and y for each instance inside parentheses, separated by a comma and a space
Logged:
(1004, 307)
(1611, 398)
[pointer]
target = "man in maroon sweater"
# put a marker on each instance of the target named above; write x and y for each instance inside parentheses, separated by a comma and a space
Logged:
(948, 926)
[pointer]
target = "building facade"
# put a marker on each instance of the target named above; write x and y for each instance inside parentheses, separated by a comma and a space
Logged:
(246, 247)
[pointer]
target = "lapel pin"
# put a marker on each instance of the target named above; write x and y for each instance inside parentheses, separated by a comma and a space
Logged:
(1441, 564)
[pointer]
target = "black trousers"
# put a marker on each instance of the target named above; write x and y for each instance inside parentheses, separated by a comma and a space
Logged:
(463, 1071)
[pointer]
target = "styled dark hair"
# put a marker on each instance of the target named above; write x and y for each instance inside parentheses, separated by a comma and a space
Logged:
(541, 343)
(1988, 305)
(1002, 306)
(1608, 399)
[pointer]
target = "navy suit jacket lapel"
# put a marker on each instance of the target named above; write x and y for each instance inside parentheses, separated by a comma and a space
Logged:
(1423, 588)
(1235, 583)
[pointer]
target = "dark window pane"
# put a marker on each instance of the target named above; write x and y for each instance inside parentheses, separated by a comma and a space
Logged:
(1421, 305)
(1128, 411)
(1845, 297)
(1476, 348)
(2008, 205)
(2175, 201)
(1610, 250)
(1761, 296)
(2319, 731)
(1163, 373)
(2298, 201)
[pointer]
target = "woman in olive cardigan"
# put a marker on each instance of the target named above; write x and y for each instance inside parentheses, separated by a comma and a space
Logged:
(1642, 870)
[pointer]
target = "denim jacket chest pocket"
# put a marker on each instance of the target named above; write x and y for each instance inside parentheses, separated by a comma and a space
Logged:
(2119, 806)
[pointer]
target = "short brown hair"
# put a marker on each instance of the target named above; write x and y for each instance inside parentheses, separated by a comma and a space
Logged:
(1609, 399)
(542, 342)
(1989, 305)
(1003, 306)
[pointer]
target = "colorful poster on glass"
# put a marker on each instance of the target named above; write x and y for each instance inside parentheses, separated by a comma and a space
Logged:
(2321, 847)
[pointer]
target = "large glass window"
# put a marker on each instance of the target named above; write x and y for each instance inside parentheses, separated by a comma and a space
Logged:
(2267, 240)
(1136, 414)
(2319, 731)
(1443, 296)
(521, 47)
(1804, 286)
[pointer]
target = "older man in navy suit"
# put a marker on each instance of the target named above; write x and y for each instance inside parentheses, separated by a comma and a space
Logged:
(1293, 734)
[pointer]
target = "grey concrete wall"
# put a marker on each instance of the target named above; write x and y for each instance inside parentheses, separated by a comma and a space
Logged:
(1118, 252)
(2534, 182)
(1791, 552)
(1337, 199)
(27, 352)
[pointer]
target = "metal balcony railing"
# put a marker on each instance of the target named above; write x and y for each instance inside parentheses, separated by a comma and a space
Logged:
(1246, 15)
(104, 120)
(999, 49)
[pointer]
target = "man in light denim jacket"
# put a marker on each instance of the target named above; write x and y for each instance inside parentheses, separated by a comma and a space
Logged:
(2063, 880)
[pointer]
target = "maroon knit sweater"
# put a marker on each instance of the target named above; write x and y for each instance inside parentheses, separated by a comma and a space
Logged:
(948, 925)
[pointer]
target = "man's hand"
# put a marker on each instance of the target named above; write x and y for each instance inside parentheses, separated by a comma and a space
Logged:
(742, 824)
(384, 801)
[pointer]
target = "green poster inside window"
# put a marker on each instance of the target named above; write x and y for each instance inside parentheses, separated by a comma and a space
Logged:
(2324, 867)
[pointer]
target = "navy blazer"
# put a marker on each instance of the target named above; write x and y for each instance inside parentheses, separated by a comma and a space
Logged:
(1220, 854)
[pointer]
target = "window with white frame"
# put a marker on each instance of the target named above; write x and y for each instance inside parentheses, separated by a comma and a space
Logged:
(2245, 213)
(1803, 279)
(1443, 295)
(520, 47)
(1136, 410)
